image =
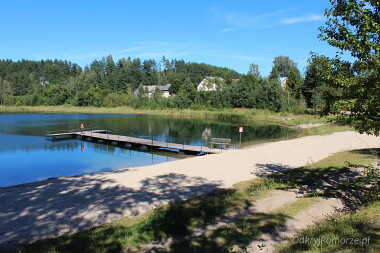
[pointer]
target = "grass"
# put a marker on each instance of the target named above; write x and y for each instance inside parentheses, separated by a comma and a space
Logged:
(177, 218)
(237, 236)
(331, 233)
(285, 118)
(326, 129)
(293, 208)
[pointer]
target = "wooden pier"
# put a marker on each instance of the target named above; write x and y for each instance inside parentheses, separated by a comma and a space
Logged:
(128, 141)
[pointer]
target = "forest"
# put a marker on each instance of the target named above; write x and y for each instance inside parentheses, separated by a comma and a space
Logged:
(108, 84)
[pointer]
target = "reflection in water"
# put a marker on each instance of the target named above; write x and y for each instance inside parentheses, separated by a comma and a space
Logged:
(25, 155)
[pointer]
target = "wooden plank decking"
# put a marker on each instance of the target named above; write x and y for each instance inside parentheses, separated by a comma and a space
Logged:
(105, 135)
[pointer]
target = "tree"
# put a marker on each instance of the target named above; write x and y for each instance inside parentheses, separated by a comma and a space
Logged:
(254, 70)
(244, 93)
(142, 92)
(157, 94)
(175, 86)
(353, 26)
(273, 94)
(223, 73)
(187, 95)
(283, 65)
(294, 82)
(311, 83)
(5, 91)
(149, 73)
(273, 75)
(56, 94)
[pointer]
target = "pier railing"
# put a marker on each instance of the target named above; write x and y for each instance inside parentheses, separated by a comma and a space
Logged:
(151, 140)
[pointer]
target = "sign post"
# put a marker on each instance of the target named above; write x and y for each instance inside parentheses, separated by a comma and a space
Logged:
(240, 131)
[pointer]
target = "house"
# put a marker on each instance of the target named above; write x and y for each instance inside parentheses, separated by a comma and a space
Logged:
(151, 88)
(210, 83)
(283, 81)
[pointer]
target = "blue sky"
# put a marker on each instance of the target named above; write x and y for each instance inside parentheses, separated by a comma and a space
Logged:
(224, 33)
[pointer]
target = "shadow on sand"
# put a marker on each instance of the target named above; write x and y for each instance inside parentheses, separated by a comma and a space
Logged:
(64, 205)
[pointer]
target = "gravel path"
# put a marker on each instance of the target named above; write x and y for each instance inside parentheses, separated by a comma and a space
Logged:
(64, 205)
(300, 221)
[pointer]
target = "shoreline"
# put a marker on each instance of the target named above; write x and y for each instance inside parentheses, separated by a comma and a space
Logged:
(67, 205)
(286, 119)
(123, 169)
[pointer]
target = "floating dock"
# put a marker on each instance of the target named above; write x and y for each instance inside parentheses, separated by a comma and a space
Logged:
(105, 136)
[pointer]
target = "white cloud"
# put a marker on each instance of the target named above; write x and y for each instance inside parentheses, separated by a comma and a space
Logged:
(237, 20)
(229, 29)
(157, 49)
(295, 20)
(145, 50)
(128, 50)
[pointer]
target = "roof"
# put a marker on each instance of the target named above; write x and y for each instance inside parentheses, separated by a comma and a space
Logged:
(213, 77)
(151, 88)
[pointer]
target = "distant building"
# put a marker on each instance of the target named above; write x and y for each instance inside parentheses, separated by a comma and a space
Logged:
(210, 83)
(151, 88)
(283, 81)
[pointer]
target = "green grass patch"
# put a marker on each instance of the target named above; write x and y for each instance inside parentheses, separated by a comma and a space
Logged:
(237, 236)
(293, 208)
(325, 129)
(324, 169)
(352, 232)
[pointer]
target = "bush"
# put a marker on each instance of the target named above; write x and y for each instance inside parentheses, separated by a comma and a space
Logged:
(10, 101)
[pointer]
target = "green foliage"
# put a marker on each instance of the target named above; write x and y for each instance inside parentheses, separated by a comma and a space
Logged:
(273, 75)
(55, 94)
(363, 225)
(294, 82)
(157, 94)
(142, 92)
(175, 86)
(353, 26)
(5, 91)
(223, 73)
(115, 100)
(254, 70)
(106, 83)
(94, 96)
(311, 84)
(186, 95)
(283, 65)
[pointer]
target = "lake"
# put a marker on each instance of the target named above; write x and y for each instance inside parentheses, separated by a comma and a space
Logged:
(26, 156)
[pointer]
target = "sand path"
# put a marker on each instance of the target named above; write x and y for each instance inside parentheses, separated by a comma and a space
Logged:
(64, 205)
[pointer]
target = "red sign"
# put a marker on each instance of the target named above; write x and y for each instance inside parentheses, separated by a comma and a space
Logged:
(81, 126)
(240, 129)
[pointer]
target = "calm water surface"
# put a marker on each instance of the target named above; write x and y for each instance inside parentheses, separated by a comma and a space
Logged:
(26, 156)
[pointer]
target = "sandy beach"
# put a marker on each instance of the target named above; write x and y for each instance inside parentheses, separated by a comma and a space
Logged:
(64, 205)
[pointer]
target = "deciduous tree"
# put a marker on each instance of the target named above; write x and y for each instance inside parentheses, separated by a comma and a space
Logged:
(283, 65)
(354, 27)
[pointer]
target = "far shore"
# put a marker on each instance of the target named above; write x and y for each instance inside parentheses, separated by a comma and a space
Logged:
(286, 119)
